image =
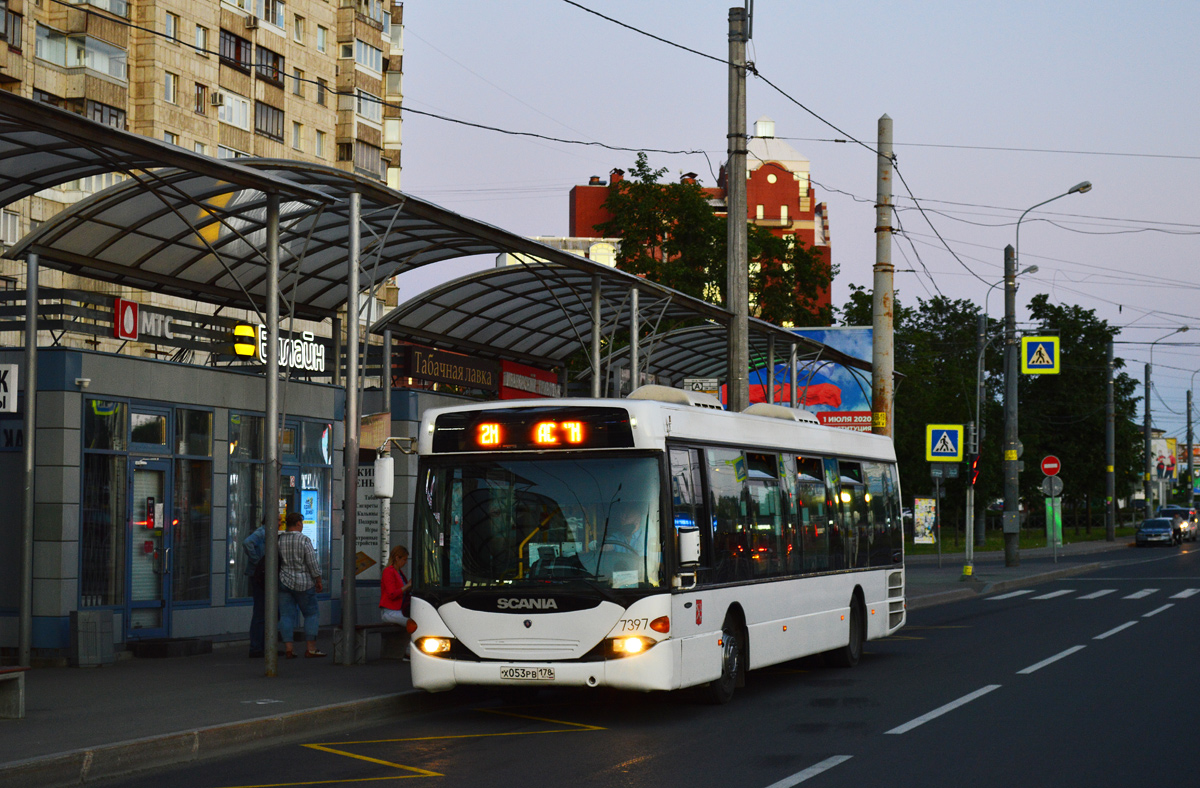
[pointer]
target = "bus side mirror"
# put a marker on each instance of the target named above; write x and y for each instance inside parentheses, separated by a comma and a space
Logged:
(689, 546)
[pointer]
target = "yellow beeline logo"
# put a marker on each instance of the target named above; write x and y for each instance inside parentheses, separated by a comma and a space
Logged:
(245, 340)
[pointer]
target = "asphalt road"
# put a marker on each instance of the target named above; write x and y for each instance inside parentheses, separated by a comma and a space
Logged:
(1087, 681)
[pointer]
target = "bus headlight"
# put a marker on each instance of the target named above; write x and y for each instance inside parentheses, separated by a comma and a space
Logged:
(628, 646)
(434, 645)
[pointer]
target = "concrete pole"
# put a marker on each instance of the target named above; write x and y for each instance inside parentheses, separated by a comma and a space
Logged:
(883, 297)
(771, 369)
(595, 337)
(25, 624)
(1110, 450)
(1147, 489)
(737, 296)
(350, 453)
(981, 348)
(635, 360)
(1012, 493)
(1190, 476)
(271, 469)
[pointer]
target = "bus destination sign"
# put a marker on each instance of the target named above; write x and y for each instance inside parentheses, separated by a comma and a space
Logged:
(533, 429)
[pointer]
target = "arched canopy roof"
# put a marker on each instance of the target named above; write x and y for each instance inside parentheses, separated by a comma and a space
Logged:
(542, 314)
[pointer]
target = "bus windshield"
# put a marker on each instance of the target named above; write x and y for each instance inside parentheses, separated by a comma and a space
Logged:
(491, 523)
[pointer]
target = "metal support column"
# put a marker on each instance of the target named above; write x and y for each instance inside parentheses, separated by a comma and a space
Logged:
(771, 369)
(385, 504)
(1147, 466)
(25, 624)
(737, 295)
(271, 470)
(596, 337)
(350, 453)
(883, 356)
(793, 391)
(634, 354)
(1190, 470)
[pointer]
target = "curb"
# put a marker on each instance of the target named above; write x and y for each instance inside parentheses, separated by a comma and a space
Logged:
(945, 597)
(92, 764)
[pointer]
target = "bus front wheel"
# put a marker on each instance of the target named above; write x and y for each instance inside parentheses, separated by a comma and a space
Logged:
(848, 655)
(721, 690)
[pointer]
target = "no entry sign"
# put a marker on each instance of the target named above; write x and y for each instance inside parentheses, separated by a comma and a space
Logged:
(1051, 466)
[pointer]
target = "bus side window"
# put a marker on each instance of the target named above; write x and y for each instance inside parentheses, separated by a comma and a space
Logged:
(727, 492)
(879, 483)
(812, 517)
(687, 500)
(855, 516)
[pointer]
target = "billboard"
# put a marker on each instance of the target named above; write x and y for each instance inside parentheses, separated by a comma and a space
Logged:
(839, 396)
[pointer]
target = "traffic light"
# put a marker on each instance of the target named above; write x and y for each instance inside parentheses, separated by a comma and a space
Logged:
(973, 476)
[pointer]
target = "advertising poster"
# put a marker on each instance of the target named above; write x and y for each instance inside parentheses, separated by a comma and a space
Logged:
(1162, 458)
(367, 526)
(924, 521)
(839, 396)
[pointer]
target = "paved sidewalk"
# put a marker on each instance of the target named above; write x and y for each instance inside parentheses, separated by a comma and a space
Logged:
(90, 724)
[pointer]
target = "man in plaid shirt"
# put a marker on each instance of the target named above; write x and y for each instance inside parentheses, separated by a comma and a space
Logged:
(299, 584)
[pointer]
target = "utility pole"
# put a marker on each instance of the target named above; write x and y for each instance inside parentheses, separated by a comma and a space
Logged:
(1110, 451)
(1190, 476)
(737, 278)
(980, 432)
(1146, 470)
(1012, 493)
(883, 356)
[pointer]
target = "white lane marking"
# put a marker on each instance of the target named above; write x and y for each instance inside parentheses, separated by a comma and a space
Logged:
(1098, 594)
(1010, 595)
(951, 706)
(1156, 611)
(1053, 594)
(1186, 593)
(811, 771)
(1145, 592)
(1049, 660)
(1115, 630)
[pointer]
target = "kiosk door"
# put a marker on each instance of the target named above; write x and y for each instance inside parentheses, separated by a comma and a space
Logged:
(150, 537)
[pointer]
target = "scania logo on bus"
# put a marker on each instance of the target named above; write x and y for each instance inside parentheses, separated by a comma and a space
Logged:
(513, 603)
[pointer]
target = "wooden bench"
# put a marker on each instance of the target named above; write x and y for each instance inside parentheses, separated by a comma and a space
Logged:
(393, 641)
(12, 693)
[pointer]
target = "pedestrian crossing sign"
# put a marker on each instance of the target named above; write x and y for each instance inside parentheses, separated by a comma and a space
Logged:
(944, 442)
(1039, 356)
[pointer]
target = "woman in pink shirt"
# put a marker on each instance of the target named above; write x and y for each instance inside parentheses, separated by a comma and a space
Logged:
(394, 588)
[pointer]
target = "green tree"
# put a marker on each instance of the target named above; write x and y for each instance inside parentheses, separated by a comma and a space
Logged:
(670, 235)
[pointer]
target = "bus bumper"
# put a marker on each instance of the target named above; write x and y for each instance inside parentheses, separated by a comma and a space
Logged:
(656, 669)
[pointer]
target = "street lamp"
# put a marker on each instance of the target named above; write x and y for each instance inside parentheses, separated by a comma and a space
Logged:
(1146, 488)
(1191, 471)
(1012, 494)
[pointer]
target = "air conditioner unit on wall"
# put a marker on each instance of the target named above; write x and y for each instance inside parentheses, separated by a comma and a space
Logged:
(251, 22)
(216, 98)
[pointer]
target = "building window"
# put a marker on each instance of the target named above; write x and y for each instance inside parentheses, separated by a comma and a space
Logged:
(201, 40)
(115, 7)
(95, 55)
(319, 144)
(272, 11)
(270, 65)
(345, 151)
(200, 148)
(201, 99)
(234, 110)
(10, 228)
(10, 28)
(369, 107)
(170, 87)
(368, 159)
(322, 88)
(171, 28)
(367, 56)
(235, 51)
(298, 29)
(297, 135)
(759, 211)
(298, 87)
(170, 137)
(268, 121)
(322, 38)
(783, 213)
(225, 152)
(103, 113)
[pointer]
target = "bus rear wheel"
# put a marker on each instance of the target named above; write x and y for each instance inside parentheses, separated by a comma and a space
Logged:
(721, 690)
(848, 655)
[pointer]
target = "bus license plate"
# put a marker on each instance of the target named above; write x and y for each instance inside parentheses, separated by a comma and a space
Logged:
(527, 674)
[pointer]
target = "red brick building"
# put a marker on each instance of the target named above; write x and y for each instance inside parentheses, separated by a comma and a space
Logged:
(779, 196)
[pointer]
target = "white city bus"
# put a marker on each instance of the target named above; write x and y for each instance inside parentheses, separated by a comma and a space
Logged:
(649, 543)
